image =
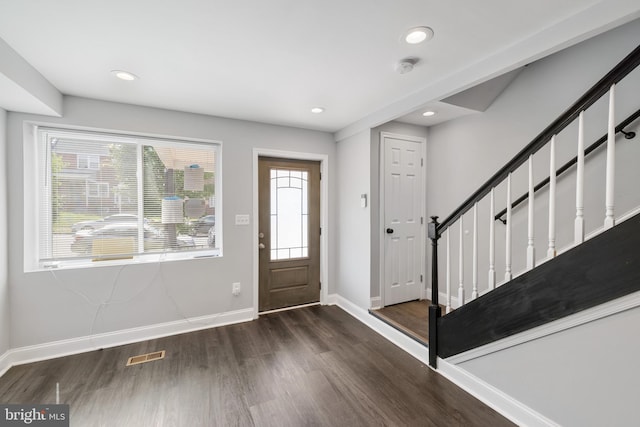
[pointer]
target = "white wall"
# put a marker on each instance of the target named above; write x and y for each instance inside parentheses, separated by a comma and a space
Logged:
(5, 320)
(359, 229)
(376, 225)
(464, 153)
(585, 376)
(23, 88)
(354, 233)
(56, 305)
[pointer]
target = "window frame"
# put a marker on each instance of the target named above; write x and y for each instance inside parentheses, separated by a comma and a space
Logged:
(35, 184)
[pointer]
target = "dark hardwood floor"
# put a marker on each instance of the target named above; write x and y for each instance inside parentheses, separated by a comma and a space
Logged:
(309, 366)
(412, 318)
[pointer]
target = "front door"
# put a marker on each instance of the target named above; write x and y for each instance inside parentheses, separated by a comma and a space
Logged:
(289, 227)
(403, 221)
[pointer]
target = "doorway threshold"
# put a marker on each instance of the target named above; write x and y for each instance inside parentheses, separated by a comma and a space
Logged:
(407, 318)
(293, 307)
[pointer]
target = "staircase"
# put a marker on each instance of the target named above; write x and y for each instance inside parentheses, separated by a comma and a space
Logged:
(594, 269)
(571, 282)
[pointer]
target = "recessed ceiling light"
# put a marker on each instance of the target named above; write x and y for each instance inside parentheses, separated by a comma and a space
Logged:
(317, 110)
(124, 75)
(429, 113)
(418, 35)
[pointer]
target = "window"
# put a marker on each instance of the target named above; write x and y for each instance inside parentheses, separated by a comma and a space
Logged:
(289, 214)
(88, 161)
(114, 197)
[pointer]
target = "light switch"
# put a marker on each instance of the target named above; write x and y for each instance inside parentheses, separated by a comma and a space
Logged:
(242, 219)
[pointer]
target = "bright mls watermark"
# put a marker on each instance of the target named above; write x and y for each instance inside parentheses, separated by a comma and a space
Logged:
(34, 415)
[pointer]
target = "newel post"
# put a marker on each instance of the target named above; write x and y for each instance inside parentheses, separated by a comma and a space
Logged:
(434, 309)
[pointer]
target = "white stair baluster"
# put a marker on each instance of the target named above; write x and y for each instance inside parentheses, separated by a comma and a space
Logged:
(474, 293)
(492, 242)
(551, 252)
(507, 265)
(531, 250)
(448, 309)
(609, 220)
(579, 221)
(461, 267)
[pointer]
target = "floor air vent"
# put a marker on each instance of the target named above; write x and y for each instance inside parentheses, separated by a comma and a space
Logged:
(143, 358)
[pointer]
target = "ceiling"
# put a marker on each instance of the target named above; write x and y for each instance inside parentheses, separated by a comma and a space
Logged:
(272, 61)
(473, 100)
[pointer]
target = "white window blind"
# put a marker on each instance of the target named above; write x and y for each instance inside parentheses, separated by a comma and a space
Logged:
(107, 196)
(88, 161)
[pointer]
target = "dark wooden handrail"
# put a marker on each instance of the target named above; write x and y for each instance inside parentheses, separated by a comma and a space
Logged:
(566, 166)
(620, 71)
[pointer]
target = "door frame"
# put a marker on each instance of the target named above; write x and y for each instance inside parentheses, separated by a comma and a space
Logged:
(324, 218)
(423, 187)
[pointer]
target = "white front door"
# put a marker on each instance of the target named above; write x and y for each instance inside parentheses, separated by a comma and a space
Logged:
(403, 218)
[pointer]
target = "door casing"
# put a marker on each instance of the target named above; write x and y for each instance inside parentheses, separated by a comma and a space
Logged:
(324, 216)
(423, 143)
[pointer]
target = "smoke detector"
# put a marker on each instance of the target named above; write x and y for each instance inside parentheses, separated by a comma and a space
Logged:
(406, 65)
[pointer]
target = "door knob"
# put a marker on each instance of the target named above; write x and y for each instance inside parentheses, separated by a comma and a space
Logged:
(261, 235)
(389, 230)
(261, 246)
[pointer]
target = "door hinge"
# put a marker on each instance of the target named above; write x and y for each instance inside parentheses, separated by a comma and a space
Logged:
(321, 231)
(320, 285)
(421, 220)
(421, 162)
(421, 278)
(320, 176)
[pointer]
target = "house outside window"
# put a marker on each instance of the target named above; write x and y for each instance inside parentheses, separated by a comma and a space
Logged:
(122, 198)
(97, 189)
(88, 161)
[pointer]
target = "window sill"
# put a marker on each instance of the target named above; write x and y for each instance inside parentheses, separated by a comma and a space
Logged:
(73, 264)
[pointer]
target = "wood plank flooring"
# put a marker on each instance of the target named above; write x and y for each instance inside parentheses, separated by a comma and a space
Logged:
(412, 318)
(310, 366)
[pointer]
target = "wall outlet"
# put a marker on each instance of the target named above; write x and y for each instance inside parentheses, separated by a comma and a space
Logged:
(235, 288)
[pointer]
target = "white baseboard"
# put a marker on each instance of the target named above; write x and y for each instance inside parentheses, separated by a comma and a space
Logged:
(332, 299)
(34, 353)
(409, 345)
(442, 298)
(376, 302)
(504, 404)
(5, 362)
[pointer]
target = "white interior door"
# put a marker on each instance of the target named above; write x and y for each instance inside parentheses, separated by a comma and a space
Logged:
(403, 218)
